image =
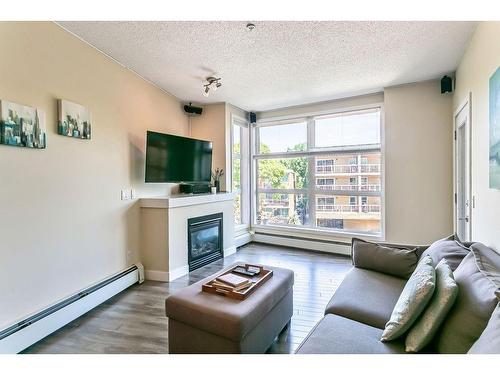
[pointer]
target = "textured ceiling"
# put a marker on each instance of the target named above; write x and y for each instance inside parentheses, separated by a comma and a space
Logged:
(280, 64)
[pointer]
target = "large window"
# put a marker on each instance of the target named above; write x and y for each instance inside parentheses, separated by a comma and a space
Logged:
(320, 172)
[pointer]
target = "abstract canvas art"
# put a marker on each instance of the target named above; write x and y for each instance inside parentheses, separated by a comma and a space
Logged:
(495, 130)
(22, 126)
(74, 120)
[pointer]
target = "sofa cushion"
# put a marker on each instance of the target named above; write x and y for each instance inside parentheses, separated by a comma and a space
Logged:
(489, 341)
(478, 279)
(392, 260)
(412, 301)
(445, 294)
(366, 296)
(447, 248)
(338, 335)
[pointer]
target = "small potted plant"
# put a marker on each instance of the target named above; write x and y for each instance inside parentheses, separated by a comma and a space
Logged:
(216, 176)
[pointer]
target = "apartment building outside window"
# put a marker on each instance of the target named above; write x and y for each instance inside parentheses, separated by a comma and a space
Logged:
(320, 172)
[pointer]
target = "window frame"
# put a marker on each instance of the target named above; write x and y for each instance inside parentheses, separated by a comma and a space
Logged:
(245, 174)
(310, 230)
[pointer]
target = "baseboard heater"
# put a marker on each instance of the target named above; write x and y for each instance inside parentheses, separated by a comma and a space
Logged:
(315, 244)
(28, 331)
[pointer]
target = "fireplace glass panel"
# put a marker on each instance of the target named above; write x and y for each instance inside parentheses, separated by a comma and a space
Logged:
(204, 241)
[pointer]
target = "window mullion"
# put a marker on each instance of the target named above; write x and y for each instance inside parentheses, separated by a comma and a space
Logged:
(311, 173)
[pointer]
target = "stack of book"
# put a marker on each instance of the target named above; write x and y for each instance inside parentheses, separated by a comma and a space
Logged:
(231, 282)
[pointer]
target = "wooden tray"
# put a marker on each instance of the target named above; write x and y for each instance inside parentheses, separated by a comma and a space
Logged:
(258, 280)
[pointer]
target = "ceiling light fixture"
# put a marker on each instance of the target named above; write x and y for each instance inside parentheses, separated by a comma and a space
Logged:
(213, 83)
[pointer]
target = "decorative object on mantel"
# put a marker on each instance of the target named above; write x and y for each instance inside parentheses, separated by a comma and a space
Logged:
(495, 130)
(240, 291)
(22, 126)
(74, 120)
(216, 176)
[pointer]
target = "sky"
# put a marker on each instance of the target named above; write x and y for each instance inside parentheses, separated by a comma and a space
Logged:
(363, 128)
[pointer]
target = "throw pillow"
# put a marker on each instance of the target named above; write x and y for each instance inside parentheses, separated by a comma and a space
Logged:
(388, 259)
(447, 248)
(445, 294)
(413, 299)
(478, 279)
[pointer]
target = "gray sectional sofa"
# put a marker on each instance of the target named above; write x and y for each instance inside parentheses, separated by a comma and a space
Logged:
(358, 311)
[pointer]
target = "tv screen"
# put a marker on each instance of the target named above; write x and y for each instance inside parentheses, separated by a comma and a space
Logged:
(170, 158)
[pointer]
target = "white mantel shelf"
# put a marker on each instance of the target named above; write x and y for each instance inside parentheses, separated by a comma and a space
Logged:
(182, 200)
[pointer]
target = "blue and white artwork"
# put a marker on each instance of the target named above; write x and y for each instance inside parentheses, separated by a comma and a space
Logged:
(74, 120)
(22, 126)
(495, 130)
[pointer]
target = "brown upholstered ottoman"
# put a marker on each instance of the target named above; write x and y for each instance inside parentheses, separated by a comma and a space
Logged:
(200, 322)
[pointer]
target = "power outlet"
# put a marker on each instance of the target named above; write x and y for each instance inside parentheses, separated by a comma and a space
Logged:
(125, 194)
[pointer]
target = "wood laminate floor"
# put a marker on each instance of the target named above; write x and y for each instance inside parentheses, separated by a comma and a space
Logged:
(134, 321)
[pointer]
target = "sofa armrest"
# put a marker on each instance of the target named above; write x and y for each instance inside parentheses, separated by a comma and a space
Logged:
(392, 259)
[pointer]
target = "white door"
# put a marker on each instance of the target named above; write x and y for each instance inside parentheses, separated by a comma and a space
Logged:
(462, 173)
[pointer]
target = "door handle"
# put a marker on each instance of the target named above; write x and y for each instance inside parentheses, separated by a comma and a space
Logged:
(466, 219)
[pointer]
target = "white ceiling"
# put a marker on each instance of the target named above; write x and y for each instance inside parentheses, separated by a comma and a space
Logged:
(280, 64)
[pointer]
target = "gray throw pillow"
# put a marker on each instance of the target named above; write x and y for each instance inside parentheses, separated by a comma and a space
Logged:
(489, 341)
(413, 299)
(478, 279)
(447, 248)
(445, 294)
(388, 259)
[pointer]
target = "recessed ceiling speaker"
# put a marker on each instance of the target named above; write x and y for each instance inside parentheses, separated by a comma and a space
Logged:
(446, 84)
(191, 110)
(253, 117)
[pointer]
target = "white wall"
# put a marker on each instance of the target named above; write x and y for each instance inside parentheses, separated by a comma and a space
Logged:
(479, 62)
(418, 163)
(62, 224)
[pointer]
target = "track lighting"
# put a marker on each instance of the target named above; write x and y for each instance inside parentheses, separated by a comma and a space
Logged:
(206, 91)
(213, 83)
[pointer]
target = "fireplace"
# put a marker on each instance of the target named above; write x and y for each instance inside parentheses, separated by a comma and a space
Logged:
(204, 240)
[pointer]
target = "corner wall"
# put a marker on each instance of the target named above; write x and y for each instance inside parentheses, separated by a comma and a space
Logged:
(210, 126)
(215, 125)
(480, 61)
(62, 223)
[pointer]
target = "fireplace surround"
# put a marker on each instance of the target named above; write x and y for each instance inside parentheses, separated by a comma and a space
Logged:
(164, 234)
(205, 240)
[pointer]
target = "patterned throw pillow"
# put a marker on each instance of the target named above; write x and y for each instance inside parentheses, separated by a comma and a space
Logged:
(413, 299)
(445, 294)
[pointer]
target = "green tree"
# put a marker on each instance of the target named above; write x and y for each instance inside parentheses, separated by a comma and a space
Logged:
(299, 166)
(271, 170)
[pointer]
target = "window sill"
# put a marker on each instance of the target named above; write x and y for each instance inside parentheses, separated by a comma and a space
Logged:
(315, 234)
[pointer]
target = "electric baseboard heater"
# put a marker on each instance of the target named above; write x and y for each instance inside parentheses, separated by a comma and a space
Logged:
(26, 332)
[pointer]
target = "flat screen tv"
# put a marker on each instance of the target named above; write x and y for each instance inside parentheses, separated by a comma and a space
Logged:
(171, 158)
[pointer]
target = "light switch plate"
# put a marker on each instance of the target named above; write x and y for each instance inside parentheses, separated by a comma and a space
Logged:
(125, 194)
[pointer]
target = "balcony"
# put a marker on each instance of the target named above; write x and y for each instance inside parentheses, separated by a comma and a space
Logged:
(350, 187)
(364, 208)
(337, 187)
(370, 187)
(347, 169)
(275, 203)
